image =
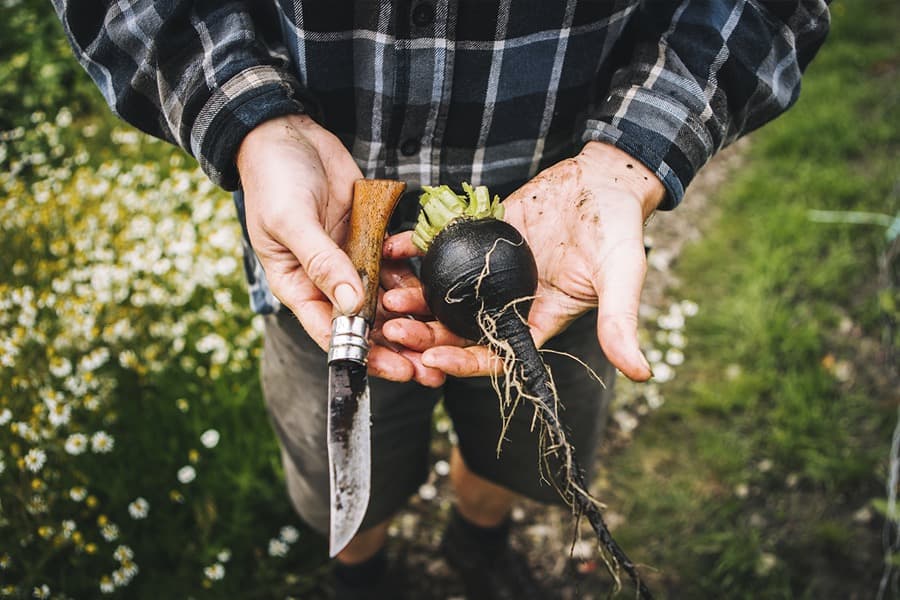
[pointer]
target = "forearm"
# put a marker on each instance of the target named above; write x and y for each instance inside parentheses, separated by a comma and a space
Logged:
(198, 74)
(701, 75)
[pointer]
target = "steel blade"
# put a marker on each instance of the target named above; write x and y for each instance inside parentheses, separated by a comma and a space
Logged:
(349, 451)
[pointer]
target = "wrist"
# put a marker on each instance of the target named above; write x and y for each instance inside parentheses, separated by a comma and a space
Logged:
(624, 171)
(269, 132)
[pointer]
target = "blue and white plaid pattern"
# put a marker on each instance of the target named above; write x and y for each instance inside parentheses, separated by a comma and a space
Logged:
(446, 91)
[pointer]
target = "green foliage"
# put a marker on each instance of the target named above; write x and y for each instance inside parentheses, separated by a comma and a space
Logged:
(38, 71)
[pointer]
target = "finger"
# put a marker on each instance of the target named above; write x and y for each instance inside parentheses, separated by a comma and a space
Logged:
(382, 314)
(400, 245)
(619, 287)
(420, 335)
(388, 364)
(551, 312)
(427, 376)
(326, 265)
(406, 301)
(397, 274)
(473, 361)
(313, 310)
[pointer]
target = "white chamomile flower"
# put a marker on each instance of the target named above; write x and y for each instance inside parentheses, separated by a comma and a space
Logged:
(187, 474)
(130, 569)
(110, 532)
(662, 372)
(224, 556)
(654, 398)
(64, 117)
(76, 444)
(102, 442)
(139, 508)
(68, 528)
(35, 459)
(5, 416)
(59, 414)
(60, 367)
(427, 491)
(654, 355)
(24, 431)
(214, 572)
(123, 553)
(277, 548)
(42, 592)
(78, 493)
(209, 438)
(689, 308)
(674, 357)
(672, 321)
(677, 339)
(106, 585)
(289, 534)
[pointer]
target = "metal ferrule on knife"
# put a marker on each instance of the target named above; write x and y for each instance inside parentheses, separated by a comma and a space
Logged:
(349, 339)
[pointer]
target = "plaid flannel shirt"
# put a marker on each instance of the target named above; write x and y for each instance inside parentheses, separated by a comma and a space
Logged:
(446, 91)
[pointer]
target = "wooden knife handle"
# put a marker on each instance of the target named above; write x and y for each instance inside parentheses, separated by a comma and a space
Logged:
(373, 203)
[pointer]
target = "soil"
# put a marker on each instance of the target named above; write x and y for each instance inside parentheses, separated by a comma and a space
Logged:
(546, 535)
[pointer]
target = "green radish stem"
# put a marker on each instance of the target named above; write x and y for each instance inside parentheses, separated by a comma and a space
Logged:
(479, 278)
(441, 206)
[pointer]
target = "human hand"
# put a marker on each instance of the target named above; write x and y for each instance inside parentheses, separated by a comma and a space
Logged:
(298, 189)
(583, 219)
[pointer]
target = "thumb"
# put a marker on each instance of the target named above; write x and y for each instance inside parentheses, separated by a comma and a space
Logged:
(619, 286)
(331, 271)
(327, 266)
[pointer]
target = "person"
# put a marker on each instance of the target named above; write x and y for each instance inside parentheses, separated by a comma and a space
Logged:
(586, 116)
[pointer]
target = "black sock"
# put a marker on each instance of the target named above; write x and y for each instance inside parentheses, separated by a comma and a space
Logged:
(364, 574)
(493, 539)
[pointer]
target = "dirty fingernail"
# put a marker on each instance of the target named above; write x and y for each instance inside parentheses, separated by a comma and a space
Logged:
(345, 297)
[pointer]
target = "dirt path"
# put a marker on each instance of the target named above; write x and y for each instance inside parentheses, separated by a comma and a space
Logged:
(544, 534)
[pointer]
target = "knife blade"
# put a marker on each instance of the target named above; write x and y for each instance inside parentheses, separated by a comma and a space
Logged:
(349, 404)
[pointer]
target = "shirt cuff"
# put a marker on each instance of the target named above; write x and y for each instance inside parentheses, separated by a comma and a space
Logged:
(659, 132)
(252, 96)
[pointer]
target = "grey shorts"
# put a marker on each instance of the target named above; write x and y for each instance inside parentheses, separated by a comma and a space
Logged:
(295, 383)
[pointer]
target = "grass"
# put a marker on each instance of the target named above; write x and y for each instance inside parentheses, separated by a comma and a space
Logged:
(777, 429)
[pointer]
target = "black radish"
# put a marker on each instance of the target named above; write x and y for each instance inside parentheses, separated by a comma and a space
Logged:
(479, 278)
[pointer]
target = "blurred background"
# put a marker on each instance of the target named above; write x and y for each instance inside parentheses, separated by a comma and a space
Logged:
(136, 459)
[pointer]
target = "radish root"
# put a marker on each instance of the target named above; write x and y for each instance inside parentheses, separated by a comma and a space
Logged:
(512, 386)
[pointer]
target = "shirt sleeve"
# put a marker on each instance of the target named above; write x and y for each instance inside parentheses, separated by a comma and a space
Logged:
(198, 74)
(700, 75)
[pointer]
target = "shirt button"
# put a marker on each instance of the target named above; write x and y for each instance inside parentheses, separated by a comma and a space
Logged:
(423, 14)
(409, 147)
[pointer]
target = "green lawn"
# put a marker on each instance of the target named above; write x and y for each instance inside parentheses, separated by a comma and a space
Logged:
(760, 476)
